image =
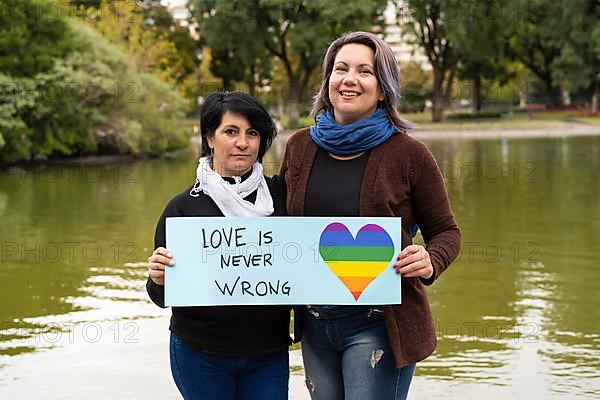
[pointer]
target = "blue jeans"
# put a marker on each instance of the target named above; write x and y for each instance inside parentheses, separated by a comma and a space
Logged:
(207, 376)
(350, 358)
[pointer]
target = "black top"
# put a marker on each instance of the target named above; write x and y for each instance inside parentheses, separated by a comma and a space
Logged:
(333, 190)
(227, 330)
(333, 187)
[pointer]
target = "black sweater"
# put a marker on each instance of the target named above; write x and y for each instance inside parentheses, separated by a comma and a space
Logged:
(228, 330)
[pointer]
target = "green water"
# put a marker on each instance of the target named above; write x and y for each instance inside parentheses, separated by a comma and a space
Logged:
(519, 312)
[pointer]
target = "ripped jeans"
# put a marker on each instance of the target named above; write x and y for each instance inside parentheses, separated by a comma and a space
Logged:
(349, 357)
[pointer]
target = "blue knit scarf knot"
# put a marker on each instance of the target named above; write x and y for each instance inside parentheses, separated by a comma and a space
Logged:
(352, 138)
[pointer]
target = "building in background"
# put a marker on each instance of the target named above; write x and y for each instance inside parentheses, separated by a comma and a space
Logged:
(404, 51)
(181, 14)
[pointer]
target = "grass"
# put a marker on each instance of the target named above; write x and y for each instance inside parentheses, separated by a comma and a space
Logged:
(594, 120)
(521, 120)
(472, 124)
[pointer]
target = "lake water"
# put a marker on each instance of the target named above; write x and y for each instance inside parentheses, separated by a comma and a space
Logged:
(517, 316)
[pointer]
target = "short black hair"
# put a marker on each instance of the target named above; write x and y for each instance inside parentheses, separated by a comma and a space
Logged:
(218, 103)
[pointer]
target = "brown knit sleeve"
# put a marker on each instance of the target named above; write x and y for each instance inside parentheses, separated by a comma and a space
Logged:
(432, 210)
(284, 162)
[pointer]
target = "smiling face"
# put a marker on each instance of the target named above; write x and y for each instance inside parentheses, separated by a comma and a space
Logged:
(235, 145)
(353, 87)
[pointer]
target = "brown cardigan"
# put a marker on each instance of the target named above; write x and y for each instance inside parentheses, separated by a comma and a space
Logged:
(401, 179)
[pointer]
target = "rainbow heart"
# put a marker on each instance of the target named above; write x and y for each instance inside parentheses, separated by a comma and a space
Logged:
(356, 262)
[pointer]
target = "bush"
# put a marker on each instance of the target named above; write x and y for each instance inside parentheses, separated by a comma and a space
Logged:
(31, 38)
(140, 114)
(92, 101)
(475, 116)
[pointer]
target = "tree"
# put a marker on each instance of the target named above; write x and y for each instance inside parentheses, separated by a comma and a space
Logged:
(92, 101)
(120, 109)
(427, 27)
(147, 31)
(16, 96)
(84, 3)
(33, 33)
(578, 64)
(479, 34)
(294, 32)
(414, 81)
(230, 67)
(33, 37)
(537, 43)
(237, 50)
(158, 16)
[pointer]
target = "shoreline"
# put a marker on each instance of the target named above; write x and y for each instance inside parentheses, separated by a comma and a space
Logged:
(562, 129)
(466, 132)
(470, 132)
(94, 160)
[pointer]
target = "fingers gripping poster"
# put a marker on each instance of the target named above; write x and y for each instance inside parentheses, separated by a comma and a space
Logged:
(282, 260)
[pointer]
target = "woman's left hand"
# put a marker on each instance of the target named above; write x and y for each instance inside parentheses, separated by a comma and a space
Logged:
(414, 261)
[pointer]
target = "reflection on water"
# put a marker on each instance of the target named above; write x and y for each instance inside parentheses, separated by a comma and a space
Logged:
(516, 315)
(522, 292)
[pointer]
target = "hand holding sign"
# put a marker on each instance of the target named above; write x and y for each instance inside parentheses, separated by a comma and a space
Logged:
(414, 261)
(156, 264)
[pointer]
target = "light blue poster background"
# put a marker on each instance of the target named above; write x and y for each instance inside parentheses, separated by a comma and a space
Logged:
(288, 270)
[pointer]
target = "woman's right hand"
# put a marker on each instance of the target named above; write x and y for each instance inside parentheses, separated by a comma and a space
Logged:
(156, 264)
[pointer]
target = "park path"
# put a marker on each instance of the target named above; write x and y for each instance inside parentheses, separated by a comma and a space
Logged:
(473, 131)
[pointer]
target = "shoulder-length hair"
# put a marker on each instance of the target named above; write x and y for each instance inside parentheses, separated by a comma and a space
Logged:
(386, 71)
(218, 103)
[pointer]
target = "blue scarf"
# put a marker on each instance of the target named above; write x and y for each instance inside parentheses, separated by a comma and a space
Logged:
(353, 138)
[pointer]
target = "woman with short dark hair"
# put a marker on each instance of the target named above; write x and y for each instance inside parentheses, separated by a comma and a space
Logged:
(230, 352)
(219, 103)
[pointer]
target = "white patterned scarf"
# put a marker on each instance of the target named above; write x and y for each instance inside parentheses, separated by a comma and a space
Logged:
(229, 197)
